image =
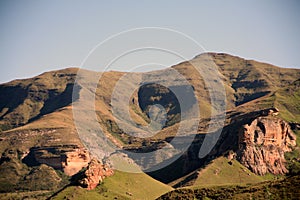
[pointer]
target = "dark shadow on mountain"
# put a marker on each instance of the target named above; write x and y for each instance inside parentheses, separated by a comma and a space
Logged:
(153, 93)
(59, 100)
(11, 98)
(247, 97)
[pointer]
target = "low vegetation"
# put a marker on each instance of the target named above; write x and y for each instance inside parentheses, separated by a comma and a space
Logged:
(121, 185)
(287, 188)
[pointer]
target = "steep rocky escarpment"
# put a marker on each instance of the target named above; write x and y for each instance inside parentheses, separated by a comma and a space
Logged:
(262, 145)
(95, 174)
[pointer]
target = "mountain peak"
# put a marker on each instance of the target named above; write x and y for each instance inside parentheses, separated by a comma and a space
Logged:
(37, 122)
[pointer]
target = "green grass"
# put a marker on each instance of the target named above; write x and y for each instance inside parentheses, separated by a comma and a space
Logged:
(288, 102)
(220, 172)
(286, 99)
(289, 107)
(121, 185)
(287, 188)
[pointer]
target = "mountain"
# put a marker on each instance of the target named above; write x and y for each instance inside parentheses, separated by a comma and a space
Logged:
(40, 137)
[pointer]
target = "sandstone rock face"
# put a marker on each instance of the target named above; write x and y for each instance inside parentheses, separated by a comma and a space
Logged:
(262, 145)
(95, 173)
(69, 159)
(75, 161)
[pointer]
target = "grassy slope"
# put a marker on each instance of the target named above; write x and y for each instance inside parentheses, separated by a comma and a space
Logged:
(121, 185)
(220, 172)
(288, 101)
(24, 100)
(287, 188)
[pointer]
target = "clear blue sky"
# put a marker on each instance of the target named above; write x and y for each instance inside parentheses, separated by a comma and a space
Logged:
(38, 36)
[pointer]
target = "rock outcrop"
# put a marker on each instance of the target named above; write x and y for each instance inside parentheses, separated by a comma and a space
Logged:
(69, 158)
(262, 145)
(95, 173)
(75, 160)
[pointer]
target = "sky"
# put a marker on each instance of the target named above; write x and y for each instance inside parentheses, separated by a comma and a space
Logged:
(38, 36)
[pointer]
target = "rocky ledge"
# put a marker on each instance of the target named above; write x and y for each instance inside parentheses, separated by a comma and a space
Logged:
(68, 158)
(262, 145)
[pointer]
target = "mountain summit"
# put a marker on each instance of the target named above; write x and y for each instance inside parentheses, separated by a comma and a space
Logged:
(42, 149)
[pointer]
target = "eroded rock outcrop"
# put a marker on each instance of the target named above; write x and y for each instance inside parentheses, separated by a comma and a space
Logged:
(95, 173)
(75, 161)
(262, 145)
(69, 158)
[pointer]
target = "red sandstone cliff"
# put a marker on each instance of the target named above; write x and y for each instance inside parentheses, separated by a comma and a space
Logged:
(262, 145)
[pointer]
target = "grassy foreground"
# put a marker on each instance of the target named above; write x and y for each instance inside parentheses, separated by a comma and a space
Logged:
(121, 185)
(287, 188)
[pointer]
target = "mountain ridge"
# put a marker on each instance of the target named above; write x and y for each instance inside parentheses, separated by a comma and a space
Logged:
(40, 108)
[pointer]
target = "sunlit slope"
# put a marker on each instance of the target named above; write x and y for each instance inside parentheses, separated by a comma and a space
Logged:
(220, 171)
(121, 185)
